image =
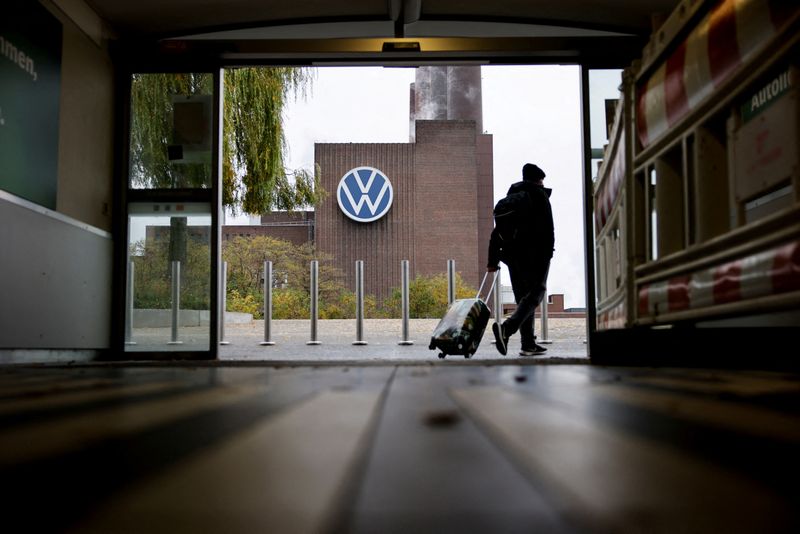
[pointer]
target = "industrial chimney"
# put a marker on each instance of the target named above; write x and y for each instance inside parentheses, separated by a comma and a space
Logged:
(446, 93)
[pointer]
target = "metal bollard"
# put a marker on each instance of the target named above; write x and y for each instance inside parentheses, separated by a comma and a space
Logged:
(176, 301)
(314, 302)
(498, 299)
(451, 281)
(404, 303)
(224, 286)
(267, 304)
(497, 303)
(359, 303)
(129, 299)
(544, 339)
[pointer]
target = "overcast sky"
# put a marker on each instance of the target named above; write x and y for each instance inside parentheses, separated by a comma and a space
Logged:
(533, 113)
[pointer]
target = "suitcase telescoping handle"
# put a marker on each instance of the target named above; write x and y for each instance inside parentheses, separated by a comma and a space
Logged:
(495, 276)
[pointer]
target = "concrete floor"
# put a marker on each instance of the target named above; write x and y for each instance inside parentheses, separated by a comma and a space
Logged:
(381, 448)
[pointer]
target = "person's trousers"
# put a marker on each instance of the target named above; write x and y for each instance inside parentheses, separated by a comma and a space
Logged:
(529, 282)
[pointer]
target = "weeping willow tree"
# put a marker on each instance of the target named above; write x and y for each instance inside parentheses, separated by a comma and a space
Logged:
(254, 177)
(152, 103)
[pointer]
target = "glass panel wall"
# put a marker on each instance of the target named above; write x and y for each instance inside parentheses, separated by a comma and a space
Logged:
(171, 216)
(171, 131)
(169, 276)
(604, 97)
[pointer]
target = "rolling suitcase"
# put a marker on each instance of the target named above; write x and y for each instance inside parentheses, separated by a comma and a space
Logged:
(461, 329)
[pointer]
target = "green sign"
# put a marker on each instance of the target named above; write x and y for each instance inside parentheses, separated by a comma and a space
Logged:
(30, 80)
(766, 95)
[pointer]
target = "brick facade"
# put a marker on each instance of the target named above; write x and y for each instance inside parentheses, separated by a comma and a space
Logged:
(442, 206)
(295, 227)
(555, 308)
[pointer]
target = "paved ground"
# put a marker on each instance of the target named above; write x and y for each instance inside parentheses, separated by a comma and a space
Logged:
(336, 341)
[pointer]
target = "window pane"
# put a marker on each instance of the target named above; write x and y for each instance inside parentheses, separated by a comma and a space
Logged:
(161, 235)
(170, 141)
(604, 93)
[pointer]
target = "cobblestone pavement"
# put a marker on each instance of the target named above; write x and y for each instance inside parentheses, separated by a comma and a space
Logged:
(382, 336)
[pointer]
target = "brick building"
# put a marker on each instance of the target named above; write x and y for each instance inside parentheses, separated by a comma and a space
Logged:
(442, 183)
(442, 206)
(555, 306)
(296, 227)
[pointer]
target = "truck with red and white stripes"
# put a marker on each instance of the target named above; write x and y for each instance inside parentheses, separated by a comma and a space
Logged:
(697, 199)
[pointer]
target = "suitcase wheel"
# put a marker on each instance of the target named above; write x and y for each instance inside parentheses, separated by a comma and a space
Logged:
(441, 355)
(468, 355)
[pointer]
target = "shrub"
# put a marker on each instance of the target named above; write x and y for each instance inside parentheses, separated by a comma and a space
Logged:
(290, 304)
(153, 276)
(343, 306)
(427, 296)
(245, 304)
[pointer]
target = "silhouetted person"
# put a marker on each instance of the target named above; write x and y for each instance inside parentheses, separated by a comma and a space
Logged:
(523, 239)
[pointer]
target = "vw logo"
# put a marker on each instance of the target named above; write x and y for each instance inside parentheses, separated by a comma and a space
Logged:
(364, 194)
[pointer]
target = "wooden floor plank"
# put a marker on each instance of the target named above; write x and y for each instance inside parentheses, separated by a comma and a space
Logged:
(74, 482)
(26, 443)
(677, 397)
(431, 470)
(74, 398)
(284, 476)
(451, 448)
(710, 382)
(752, 438)
(53, 386)
(728, 415)
(614, 480)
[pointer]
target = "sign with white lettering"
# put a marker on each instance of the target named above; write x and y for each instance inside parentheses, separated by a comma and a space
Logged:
(766, 95)
(30, 90)
(364, 194)
(764, 148)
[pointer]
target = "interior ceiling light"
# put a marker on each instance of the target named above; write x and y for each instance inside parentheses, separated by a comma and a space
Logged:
(401, 46)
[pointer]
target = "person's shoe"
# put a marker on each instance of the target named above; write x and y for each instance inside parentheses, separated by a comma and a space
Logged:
(532, 351)
(500, 339)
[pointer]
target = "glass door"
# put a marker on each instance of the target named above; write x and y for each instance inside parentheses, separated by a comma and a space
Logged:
(171, 219)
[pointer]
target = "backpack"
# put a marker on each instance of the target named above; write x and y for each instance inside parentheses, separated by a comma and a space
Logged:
(513, 218)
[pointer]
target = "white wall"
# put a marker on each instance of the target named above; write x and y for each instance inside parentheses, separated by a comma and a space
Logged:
(56, 266)
(55, 280)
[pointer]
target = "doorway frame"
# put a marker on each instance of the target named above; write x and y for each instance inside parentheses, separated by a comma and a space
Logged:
(124, 196)
(175, 55)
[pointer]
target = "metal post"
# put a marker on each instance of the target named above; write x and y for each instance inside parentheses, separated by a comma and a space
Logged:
(359, 303)
(224, 299)
(176, 301)
(129, 295)
(588, 208)
(451, 281)
(498, 299)
(314, 302)
(497, 303)
(544, 340)
(404, 302)
(267, 304)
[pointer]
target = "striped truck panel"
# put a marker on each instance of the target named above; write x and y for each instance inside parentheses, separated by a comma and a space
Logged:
(612, 318)
(609, 190)
(731, 33)
(766, 273)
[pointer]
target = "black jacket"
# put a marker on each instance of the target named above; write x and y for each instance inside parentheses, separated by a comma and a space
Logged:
(539, 240)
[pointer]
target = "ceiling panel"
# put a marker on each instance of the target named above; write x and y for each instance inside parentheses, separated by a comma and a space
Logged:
(620, 15)
(165, 17)
(185, 17)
